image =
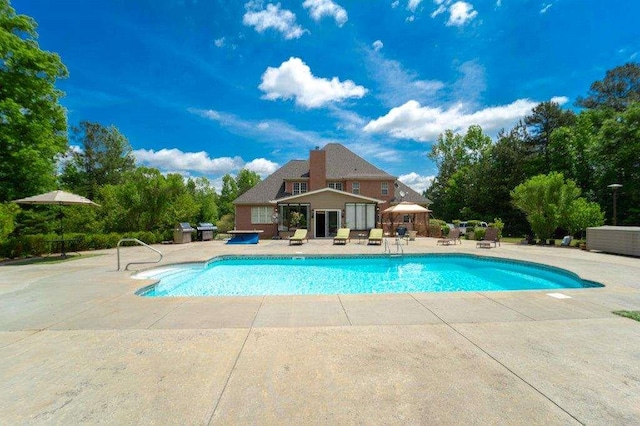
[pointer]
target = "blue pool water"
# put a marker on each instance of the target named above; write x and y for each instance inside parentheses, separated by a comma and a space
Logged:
(241, 276)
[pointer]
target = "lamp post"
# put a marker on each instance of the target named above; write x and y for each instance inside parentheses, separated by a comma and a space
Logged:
(615, 187)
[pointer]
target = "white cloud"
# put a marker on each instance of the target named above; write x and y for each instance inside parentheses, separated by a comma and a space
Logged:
(375, 150)
(272, 17)
(320, 8)
(174, 159)
(560, 100)
(498, 3)
(219, 42)
(424, 124)
(441, 9)
(275, 132)
(186, 163)
(413, 5)
(461, 13)
(377, 45)
(293, 79)
(398, 85)
(262, 166)
(545, 8)
(416, 182)
(472, 82)
(395, 4)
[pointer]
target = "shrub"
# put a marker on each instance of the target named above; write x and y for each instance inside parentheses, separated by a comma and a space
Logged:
(434, 230)
(226, 223)
(497, 223)
(479, 233)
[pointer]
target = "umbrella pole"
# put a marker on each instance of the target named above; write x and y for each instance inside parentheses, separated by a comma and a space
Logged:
(62, 234)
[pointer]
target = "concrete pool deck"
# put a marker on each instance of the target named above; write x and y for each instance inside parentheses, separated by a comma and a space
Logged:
(78, 346)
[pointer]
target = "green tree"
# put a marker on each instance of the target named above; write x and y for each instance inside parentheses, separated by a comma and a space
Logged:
(33, 124)
(206, 198)
(104, 157)
(619, 88)
(543, 120)
(546, 201)
(228, 193)
(617, 153)
(584, 214)
(455, 155)
(8, 212)
(245, 180)
(571, 151)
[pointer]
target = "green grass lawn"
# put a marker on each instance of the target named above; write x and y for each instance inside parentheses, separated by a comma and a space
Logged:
(629, 314)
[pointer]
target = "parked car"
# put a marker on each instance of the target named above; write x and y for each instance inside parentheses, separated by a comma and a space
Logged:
(463, 226)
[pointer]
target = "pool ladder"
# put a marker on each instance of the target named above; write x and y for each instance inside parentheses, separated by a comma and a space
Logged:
(126, 268)
(388, 247)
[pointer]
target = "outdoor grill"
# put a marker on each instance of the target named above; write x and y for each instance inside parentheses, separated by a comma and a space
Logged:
(182, 233)
(205, 231)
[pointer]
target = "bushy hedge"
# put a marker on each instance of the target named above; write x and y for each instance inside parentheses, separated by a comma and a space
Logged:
(39, 244)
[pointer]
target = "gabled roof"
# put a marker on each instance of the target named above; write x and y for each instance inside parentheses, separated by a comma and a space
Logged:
(344, 164)
(409, 195)
(318, 191)
(341, 163)
(273, 186)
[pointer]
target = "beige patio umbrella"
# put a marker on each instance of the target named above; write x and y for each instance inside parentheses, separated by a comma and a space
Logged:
(406, 207)
(60, 198)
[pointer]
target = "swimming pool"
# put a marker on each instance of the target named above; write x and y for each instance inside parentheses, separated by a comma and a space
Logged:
(265, 275)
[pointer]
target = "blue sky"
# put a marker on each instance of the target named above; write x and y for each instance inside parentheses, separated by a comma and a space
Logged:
(207, 87)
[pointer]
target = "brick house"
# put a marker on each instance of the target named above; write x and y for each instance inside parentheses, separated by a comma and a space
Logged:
(334, 188)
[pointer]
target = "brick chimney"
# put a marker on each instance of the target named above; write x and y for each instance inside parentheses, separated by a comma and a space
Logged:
(317, 169)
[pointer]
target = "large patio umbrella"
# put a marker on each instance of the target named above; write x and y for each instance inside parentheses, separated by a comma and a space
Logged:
(406, 207)
(60, 198)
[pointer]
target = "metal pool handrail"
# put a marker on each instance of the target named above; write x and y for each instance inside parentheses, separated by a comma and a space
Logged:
(126, 268)
(387, 247)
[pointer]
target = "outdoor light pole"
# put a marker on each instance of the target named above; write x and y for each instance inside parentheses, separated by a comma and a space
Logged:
(615, 187)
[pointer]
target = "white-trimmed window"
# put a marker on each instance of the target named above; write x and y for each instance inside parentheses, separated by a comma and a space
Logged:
(261, 215)
(335, 185)
(355, 187)
(360, 216)
(299, 188)
(384, 188)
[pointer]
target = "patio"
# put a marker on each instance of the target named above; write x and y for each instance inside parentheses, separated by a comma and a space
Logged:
(78, 346)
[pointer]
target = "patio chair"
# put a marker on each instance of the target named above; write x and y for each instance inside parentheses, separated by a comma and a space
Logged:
(490, 236)
(298, 236)
(342, 236)
(452, 238)
(375, 236)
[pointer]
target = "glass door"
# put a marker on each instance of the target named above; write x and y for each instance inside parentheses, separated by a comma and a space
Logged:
(327, 223)
(333, 222)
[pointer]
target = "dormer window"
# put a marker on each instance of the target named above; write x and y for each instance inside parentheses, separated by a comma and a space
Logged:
(299, 188)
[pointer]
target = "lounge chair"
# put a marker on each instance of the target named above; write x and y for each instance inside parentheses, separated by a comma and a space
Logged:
(375, 236)
(490, 236)
(452, 238)
(298, 236)
(342, 236)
